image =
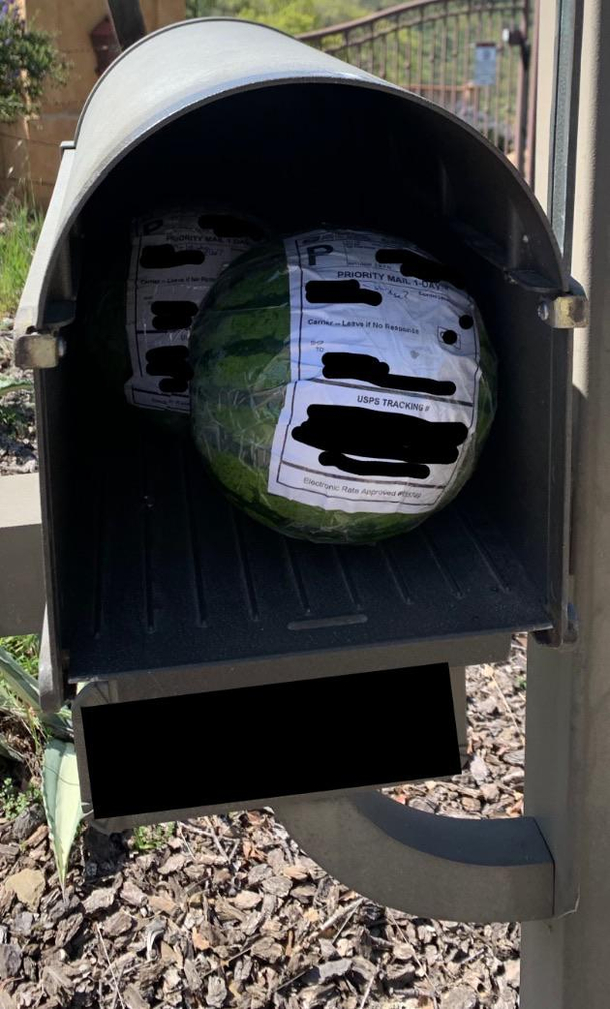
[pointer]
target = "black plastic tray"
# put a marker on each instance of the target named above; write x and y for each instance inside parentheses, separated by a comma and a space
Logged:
(162, 572)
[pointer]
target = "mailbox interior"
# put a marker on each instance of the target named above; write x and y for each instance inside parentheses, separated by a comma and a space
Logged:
(154, 572)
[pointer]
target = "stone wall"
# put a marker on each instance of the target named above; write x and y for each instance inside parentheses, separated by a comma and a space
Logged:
(29, 149)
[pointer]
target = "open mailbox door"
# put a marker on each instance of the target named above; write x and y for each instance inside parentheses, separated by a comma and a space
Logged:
(160, 597)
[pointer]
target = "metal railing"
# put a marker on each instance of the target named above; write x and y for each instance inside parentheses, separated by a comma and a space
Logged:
(444, 50)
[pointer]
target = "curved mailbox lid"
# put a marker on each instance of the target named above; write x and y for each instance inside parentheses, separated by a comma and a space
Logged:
(191, 63)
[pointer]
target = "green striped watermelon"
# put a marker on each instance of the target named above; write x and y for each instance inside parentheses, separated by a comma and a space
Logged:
(239, 351)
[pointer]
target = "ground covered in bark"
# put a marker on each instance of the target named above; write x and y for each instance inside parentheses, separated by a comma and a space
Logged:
(227, 911)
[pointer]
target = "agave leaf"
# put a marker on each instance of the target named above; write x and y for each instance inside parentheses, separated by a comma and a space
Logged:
(25, 687)
(21, 683)
(8, 384)
(61, 797)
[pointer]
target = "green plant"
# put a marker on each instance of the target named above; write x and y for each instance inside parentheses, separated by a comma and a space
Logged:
(150, 838)
(52, 735)
(293, 17)
(28, 59)
(13, 423)
(21, 227)
(23, 647)
(13, 800)
(8, 384)
(13, 419)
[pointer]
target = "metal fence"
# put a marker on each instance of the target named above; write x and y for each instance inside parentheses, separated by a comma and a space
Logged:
(471, 56)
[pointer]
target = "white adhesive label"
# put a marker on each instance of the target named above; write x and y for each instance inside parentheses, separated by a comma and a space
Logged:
(174, 263)
(382, 404)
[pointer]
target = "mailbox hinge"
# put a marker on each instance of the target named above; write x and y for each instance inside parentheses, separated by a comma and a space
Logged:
(39, 349)
(566, 311)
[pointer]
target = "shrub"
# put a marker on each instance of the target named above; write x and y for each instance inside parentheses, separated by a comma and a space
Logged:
(28, 60)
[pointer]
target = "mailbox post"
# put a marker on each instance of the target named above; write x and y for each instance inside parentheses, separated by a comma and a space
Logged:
(564, 961)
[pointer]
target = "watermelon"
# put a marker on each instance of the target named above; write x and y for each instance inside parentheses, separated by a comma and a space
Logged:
(242, 356)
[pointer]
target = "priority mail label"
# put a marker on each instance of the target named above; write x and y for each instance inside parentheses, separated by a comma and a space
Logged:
(385, 370)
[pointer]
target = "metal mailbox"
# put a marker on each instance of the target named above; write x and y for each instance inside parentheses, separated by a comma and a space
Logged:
(157, 592)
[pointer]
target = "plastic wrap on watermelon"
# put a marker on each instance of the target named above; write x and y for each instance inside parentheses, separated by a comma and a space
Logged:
(344, 385)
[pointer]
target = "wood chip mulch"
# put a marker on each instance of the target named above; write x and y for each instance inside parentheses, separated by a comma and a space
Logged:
(228, 912)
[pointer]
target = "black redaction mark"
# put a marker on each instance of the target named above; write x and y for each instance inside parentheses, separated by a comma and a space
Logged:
(229, 227)
(412, 264)
(366, 368)
(172, 314)
(165, 257)
(347, 431)
(173, 364)
(340, 292)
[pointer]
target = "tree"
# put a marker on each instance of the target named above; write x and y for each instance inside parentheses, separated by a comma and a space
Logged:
(294, 17)
(28, 59)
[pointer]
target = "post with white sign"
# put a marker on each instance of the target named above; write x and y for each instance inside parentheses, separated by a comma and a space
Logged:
(485, 64)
